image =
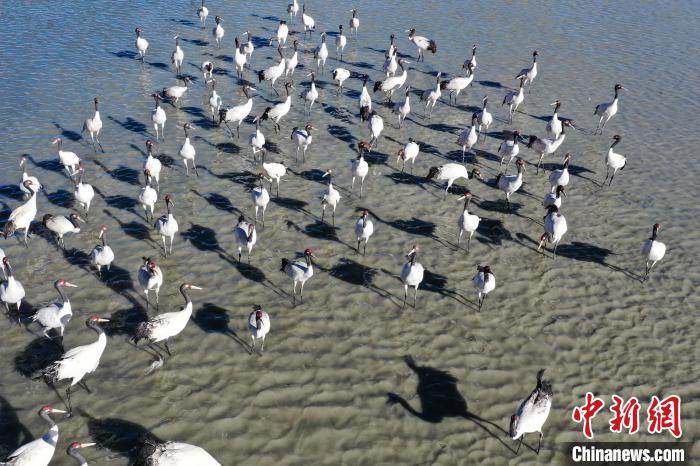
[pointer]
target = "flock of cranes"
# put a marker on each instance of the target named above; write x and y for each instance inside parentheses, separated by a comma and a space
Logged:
(76, 363)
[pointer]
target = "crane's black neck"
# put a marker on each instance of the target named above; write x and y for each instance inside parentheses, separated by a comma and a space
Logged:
(467, 200)
(183, 291)
(46, 416)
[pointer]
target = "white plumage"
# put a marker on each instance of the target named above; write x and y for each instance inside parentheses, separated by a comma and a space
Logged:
(422, 43)
(547, 146)
(76, 363)
(613, 160)
(393, 83)
(218, 31)
(329, 197)
(412, 275)
(237, 113)
(485, 117)
(245, 236)
(554, 198)
(179, 454)
(150, 278)
(94, 126)
(258, 326)
(167, 226)
(187, 152)
(340, 75)
(513, 99)
(452, 172)
(402, 109)
(84, 192)
(311, 94)
(529, 74)
(459, 83)
(275, 171)
(102, 254)
(69, 160)
(467, 222)
(62, 225)
(55, 315)
(365, 99)
(653, 250)
(141, 44)
(291, 63)
(354, 22)
(159, 118)
(23, 216)
(532, 412)
(176, 92)
(257, 141)
(554, 124)
(560, 177)
(11, 290)
(376, 126)
(302, 139)
(178, 56)
(340, 43)
(321, 54)
(307, 21)
(360, 168)
(554, 228)
(468, 137)
(364, 228)
(239, 58)
(282, 33)
(40, 451)
(299, 272)
(509, 184)
(152, 164)
(203, 12)
(280, 110)
(169, 324)
(409, 153)
(431, 96)
(509, 148)
(148, 196)
(484, 282)
(260, 198)
(607, 110)
(26, 176)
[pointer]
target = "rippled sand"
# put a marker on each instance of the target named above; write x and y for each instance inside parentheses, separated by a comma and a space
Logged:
(319, 393)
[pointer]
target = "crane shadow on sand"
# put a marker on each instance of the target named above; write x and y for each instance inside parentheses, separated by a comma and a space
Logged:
(38, 354)
(214, 319)
(354, 273)
(125, 438)
(440, 399)
(13, 433)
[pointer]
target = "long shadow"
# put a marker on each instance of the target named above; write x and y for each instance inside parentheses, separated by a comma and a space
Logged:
(358, 274)
(324, 230)
(492, 232)
(202, 238)
(289, 203)
(53, 165)
(126, 321)
(493, 84)
(342, 133)
(197, 42)
(124, 438)
(219, 201)
(13, 433)
(134, 229)
(61, 198)
(121, 173)
(12, 191)
(214, 319)
(66, 133)
(339, 113)
(38, 354)
(130, 124)
(119, 201)
(440, 398)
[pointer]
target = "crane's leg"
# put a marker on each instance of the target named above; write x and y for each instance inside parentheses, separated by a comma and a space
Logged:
(157, 301)
(252, 344)
(469, 241)
(554, 251)
(362, 184)
(415, 297)
(155, 126)
(262, 345)
(229, 129)
(539, 247)
(165, 247)
(365, 250)
(405, 293)
(238, 130)
(323, 213)
(70, 404)
(239, 255)
(352, 184)
(278, 187)
(333, 220)
(539, 444)
(358, 244)
(294, 294)
(613, 176)
(301, 293)
(172, 238)
(539, 163)
(303, 155)
(459, 238)
(167, 348)
(263, 217)
(521, 442)
(187, 168)
(464, 149)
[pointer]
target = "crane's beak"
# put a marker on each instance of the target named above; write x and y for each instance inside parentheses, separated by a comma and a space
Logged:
(103, 320)
(83, 445)
(326, 174)
(80, 219)
(553, 104)
(195, 287)
(70, 285)
(461, 198)
(56, 410)
(407, 30)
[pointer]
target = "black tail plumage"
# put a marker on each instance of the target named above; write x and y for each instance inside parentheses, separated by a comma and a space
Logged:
(261, 76)
(544, 386)
(377, 85)
(141, 333)
(364, 113)
(285, 263)
(433, 46)
(50, 373)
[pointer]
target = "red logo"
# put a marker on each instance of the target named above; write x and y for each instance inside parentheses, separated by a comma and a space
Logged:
(587, 412)
(665, 415)
(626, 415)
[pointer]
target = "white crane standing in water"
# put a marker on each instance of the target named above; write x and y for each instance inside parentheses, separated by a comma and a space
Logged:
(40, 451)
(94, 125)
(76, 363)
(22, 217)
(203, 12)
(485, 282)
(532, 412)
(102, 254)
(258, 326)
(653, 250)
(55, 315)
(11, 290)
(150, 277)
(412, 275)
(141, 44)
(299, 272)
(606, 110)
(167, 325)
(167, 226)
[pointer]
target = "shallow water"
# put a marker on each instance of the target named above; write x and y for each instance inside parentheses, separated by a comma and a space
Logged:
(319, 393)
